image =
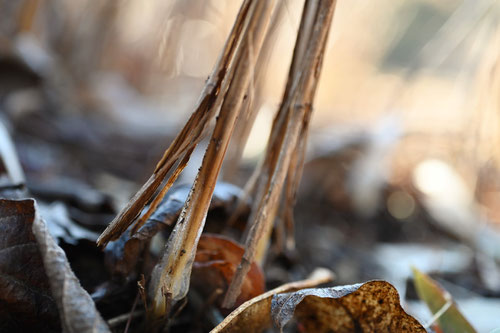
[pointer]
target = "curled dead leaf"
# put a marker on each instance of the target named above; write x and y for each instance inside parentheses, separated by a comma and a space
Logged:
(369, 307)
(216, 260)
(76, 308)
(255, 315)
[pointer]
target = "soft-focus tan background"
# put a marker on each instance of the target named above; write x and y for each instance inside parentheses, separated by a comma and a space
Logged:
(422, 74)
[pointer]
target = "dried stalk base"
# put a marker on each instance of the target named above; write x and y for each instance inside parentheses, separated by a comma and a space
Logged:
(285, 151)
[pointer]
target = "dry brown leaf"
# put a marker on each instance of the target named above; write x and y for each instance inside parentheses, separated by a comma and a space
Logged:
(76, 308)
(215, 263)
(255, 314)
(369, 307)
(26, 304)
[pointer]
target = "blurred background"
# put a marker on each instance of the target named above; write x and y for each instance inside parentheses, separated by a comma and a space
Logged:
(403, 157)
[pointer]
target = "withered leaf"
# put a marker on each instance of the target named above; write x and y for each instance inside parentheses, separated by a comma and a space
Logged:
(169, 209)
(255, 315)
(369, 307)
(123, 254)
(216, 260)
(26, 304)
(76, 308)
(62, 227)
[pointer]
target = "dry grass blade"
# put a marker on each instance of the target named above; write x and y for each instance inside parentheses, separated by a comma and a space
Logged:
(289, 123)
(186, 140)
(171, 180)
(292, 186)
(171, 275)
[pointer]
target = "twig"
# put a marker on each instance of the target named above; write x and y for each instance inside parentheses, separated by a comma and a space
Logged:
(129, 321)
(142, 291)
(118, 320)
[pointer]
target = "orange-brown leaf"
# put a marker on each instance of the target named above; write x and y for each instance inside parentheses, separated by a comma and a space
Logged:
(216, 261)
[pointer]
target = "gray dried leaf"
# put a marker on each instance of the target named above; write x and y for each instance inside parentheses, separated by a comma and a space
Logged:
(76, 308)
(122, 255)
(169, 209)
(62, 227)
(369, 307)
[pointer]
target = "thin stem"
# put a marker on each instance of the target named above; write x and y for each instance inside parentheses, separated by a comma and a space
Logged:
(290, 122)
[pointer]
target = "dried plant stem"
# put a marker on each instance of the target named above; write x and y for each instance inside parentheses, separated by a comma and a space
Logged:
(163, 191)
(254, 101)
(172, 273)
(187, 139)
(292, 185)
(241, 203)
(292, 120)
(241, 133)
